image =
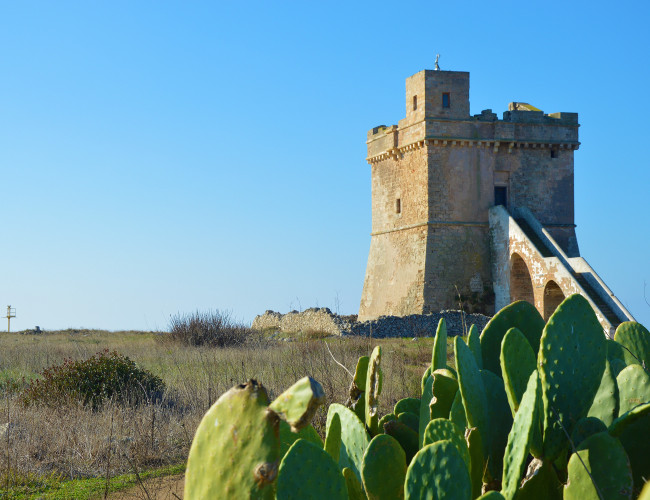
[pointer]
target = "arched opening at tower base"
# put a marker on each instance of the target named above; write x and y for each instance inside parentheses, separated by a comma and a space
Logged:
(521, 286)
(553, 297)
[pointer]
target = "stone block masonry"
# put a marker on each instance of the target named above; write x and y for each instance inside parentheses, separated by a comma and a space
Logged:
(323, 320)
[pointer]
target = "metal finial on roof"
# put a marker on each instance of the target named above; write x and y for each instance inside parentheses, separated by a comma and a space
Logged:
(437, 68)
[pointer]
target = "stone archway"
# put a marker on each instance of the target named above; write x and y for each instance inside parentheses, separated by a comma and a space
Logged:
(553, 297)
(521, 285)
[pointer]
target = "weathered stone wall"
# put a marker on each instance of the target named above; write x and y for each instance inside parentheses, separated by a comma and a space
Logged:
(323, 320)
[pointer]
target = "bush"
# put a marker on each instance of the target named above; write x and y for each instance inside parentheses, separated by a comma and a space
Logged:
(213, 328)
(104, 376)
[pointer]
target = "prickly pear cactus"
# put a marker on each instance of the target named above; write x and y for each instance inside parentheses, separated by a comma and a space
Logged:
(474, 344)
(384, 469)
(500, 420)
(571, 355)
(333, 437)
(373, 390)
(517, 363)
(472, 390)
(585, 427)
(633, 430)
(354, 438)
(443, 390)
(407, 404)
(633, 387)
(410, 419)
(521, 315)
(405, 436)
(299, 402)
(439, 352)
(604, 463)
(605, 406)
(477, 460)
(356, 399)
(288, 437)
(236, 449)
(457, 412)
(425, 377)
(355, 490)
(425, 410)
(520, 438)
(635, 339)
(441, 429)
(491, 495)
(386, 418)
(436, 472)
(541, 483)
(308, 472)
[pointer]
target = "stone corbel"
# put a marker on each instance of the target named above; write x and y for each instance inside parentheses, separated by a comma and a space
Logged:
(496, 146)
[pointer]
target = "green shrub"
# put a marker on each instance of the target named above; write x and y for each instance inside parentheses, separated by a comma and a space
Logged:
(104, 376)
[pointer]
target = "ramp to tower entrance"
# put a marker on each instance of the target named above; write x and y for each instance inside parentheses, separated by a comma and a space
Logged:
(529, 264)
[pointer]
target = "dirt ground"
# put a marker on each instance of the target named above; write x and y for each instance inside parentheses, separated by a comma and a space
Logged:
(161, 488)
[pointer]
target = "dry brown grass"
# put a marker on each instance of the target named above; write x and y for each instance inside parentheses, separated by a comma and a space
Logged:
(77, 442)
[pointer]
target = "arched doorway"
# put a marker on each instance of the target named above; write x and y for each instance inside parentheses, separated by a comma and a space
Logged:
(521, 286)
(553, 297)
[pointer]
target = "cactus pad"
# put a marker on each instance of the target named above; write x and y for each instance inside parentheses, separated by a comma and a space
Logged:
(410, 419)
(425, 376)
(355, 490)
(444, 389)
(441, 429)
(605, 458)
(541, 483)
(405, 436)
(520, 438)
(333, 438)
(635, 339)
(472, 390)
(308, 472)
(605, 405)
(384, 469)
(521, 315)
(407, 404)
(633, 387)
(373, 390)
(457, 412)
(354, 438)
(288, 437)
(436, 472)
(386, 418)
(633, 430)
(586, 427)
(474, 344)
(500, 420)
(518, 361)
(439, 352)
(425, 410)
(235, 451)
(299, 402)
(477, 460)
(571, 355)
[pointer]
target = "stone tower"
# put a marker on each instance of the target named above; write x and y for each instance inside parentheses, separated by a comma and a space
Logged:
(444, 184)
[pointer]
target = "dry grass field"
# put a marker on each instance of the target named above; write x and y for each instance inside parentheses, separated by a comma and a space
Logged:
(71, 451)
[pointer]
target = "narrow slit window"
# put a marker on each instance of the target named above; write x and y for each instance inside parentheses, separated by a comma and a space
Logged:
(415, 102)
(501, 196)
(398, 206)
(445, 100)
(553, 153)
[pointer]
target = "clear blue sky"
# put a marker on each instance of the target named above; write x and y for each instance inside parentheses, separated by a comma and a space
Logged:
(159, 157)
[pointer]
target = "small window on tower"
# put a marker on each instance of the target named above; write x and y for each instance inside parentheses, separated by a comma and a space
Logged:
(415, 102)
(398, 206)
(553, 153)
(445, 100)
(501, 196)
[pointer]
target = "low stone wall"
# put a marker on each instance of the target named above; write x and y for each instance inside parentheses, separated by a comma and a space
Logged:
(323, 320)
